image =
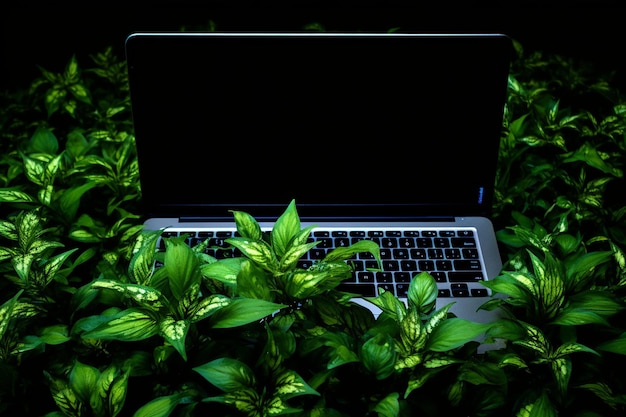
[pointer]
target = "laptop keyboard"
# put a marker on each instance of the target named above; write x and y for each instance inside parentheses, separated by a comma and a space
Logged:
(450, 255)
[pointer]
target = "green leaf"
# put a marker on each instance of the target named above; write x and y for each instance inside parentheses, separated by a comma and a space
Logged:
(160, 406)
(70, 199)
(175, 332)
(423, 292)
(378, 355)
(243, 311)
(289, 384)
(247, 226)
(286, 227)
(142, 263)
(257, 251)
(43, 141)
(144, 295)
(82, 380)
(388, 406)
(348, 252)
(253, 282)
(224, 270)
(182, 267)
(454, 332)
(129, 325)
(617, 345)
(6, 312)
(13, 196)
(55, 334)
(207, 306)
(110, 394)
(304, 284)
(227, 374)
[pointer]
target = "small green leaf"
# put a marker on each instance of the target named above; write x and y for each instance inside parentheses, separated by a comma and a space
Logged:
(224, 270)
(82, 381)
(617, 345)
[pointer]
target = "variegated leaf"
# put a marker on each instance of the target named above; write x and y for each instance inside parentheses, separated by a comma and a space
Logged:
(535, 340)
(562, 370)
(290, 259)
(224, 270)
(207, 306)
(146, 296)
(247, 226)
(569, 348)
(14, 196)
(257, 251)
(305, 284)
(289, 384)
(128, 326)
(141, 264)
(175, 332)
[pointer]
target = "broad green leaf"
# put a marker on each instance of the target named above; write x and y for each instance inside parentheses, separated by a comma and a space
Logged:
(454, 332)
(617, 345)
(71, 197)
(224, 270)
(160, 406)
(388, 406)
(43, 141)
(540, 407)
(423, 292)
(551, 285)
(378, 355)
(390, 304)
(253, 282)
(286, 227)
(243, 311)
(83, 380)
(127, 326)
(182, 266)
(247, 225)
(227, 374)
(582, 269)
(55, 334)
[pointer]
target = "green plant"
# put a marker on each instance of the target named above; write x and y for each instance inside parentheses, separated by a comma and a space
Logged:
(89, 326)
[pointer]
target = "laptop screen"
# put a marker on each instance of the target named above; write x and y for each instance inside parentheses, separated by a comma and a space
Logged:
(351, 126)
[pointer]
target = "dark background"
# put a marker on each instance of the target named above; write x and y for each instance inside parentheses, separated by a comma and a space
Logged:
(48, 33)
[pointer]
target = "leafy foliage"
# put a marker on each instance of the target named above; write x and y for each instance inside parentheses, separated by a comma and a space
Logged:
(97, 320)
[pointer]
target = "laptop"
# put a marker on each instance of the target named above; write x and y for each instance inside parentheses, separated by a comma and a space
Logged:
(385, 136)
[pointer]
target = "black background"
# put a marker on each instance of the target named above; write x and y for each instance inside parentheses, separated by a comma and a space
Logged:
(48, 33)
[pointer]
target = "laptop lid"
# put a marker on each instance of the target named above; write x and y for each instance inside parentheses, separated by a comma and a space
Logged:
(377, 127)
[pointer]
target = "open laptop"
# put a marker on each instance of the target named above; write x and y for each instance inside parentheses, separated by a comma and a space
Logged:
(392, 137)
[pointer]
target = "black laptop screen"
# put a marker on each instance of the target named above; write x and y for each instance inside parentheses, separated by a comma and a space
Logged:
(361, 125)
